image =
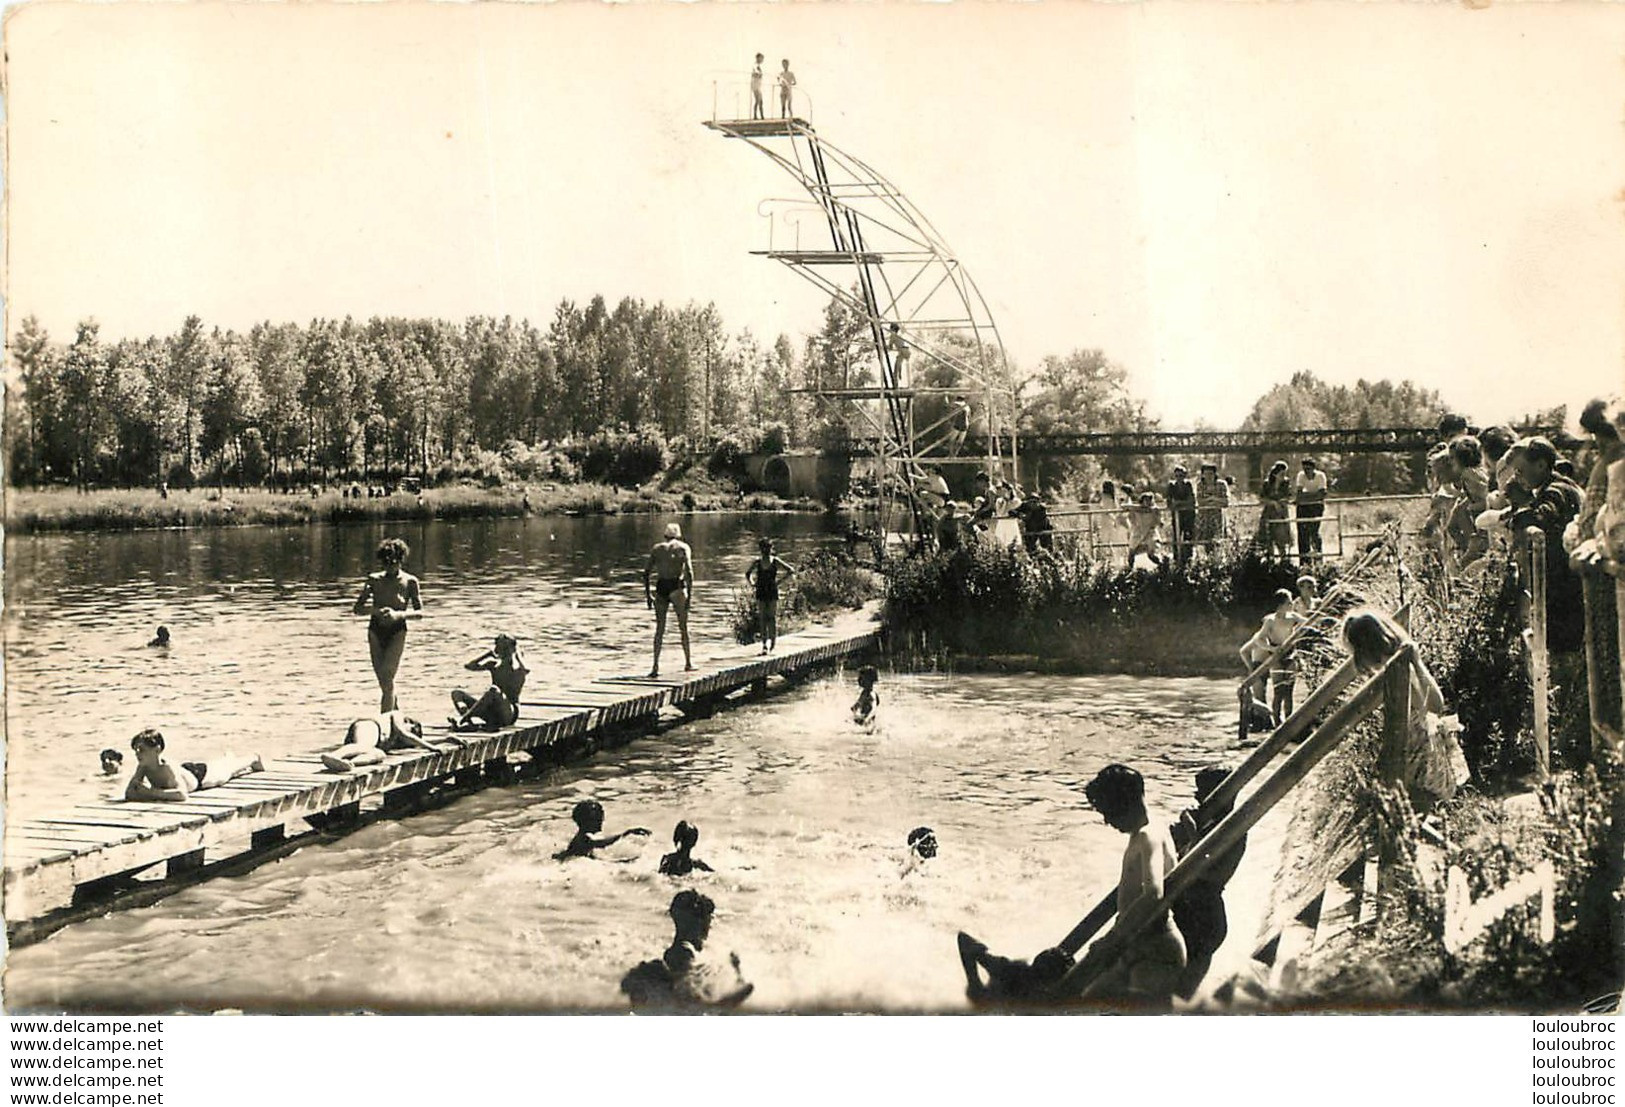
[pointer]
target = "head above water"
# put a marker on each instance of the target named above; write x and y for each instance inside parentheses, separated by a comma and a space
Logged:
(393, 551)
(162, 637)
(673, 531)
(691, 911)
(1118, 793)
(923, 841)
(868, 676)
(111, 760)
(686, 835)
(588, 815)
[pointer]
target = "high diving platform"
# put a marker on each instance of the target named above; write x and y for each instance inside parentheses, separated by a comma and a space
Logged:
(88, 858)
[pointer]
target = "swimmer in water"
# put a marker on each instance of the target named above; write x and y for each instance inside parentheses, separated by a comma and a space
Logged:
(863, 711)
(389, 598)
(686, 974)
(367, 741)
(1009, 981)
(589, 819)
(112, 762)
(499, 705)
(155, 780)
(681, 862)
(160, 640)
(922, 846)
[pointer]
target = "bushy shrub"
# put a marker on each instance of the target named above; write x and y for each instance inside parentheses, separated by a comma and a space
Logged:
(727, 457)
(775, 439)
(623, 457)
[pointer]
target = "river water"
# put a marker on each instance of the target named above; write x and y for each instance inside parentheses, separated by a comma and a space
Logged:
(461, 907)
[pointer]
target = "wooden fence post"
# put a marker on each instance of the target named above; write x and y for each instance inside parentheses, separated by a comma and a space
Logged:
(1539, 672)
(1396, 724)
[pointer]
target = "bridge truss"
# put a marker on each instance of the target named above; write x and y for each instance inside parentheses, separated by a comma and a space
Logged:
(888, 265)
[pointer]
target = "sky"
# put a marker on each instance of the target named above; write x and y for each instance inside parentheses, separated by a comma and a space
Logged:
(1216, 195)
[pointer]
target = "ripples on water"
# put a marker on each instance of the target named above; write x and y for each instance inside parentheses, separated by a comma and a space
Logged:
(803, 816)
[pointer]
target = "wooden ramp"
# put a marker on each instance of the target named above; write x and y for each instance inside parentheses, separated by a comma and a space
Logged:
(90, 849)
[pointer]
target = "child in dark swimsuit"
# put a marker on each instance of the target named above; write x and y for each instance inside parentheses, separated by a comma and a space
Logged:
(499, 705)
(389, 597)
(863, 711)
(686, 975)
(589, 819)
(681, 862)
(1199, 913)
(763, 575)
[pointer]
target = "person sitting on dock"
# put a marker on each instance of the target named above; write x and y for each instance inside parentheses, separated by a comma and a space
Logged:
(671, 569)
(499, 705)
(160, 640)
(1155, 960)
(681, 861)
(686, 975)
(1199, 913)
(1009, 981)
(756, 109)
(156, 780)
(112, 762)
(588, 816)
(389, 597)
(763, 576)
(868, 701)
(369, 739)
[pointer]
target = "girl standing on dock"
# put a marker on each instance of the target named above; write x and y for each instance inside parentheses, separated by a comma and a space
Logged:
(763, 575)
(389, 597)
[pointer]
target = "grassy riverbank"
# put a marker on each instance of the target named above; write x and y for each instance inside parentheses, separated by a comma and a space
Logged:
(36, 511)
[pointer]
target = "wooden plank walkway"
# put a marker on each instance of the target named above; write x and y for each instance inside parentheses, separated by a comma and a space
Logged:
(53, 861)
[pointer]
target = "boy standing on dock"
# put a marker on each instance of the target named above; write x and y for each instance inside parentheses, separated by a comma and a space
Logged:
(671, 565)
(756, 110)
(787, 82)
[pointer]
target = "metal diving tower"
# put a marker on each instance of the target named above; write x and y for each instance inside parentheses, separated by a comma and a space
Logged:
(933, 337)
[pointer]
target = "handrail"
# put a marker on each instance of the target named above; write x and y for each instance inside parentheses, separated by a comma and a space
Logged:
(1086, 977)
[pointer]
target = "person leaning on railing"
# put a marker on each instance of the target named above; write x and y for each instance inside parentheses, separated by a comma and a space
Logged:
(1274, 499)
(1554, 501)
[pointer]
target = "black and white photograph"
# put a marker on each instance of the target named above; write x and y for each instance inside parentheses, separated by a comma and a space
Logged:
(760, 509)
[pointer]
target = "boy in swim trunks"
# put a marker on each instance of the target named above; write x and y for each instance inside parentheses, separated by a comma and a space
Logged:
(588, 816)
(499, 705)
(671, 567)
(863, 711)
(156, 780)
(1278, 626)
(1155, 960)
(368, 740)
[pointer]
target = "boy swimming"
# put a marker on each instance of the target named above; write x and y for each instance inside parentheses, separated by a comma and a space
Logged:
(155, 780)
(686, 975)
(1009, 980)
(922, 847)
(589, 819)
(112, 762)
(367, 740)
(863, 711)
(681, 861)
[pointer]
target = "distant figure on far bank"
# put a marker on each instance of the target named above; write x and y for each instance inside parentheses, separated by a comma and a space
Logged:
(498, 706)
(763, 575)
(756, 110)
(389, 598)
(787, 83)
(161, 639)
(668, 581)
(681, 861)
(1309, 497)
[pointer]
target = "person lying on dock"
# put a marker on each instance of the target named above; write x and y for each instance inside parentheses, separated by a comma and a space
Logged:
(1199, 913)
(368, 740)
(1154, 961)
(161, 639)
(499, 705)
(863, 711)
(1009, 981)
(681, 861)
(589, 819)
(155, 780)
(686, 974)
(112, 762)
